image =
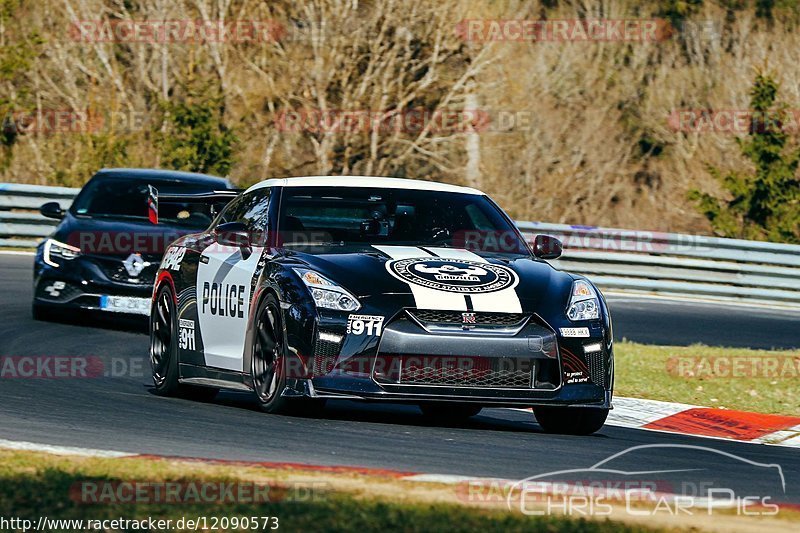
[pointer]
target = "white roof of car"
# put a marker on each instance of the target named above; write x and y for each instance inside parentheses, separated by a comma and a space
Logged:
(363, 181)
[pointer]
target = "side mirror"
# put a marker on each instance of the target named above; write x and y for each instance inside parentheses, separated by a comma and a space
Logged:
(547, 247)
(234, 234)
(52, 210)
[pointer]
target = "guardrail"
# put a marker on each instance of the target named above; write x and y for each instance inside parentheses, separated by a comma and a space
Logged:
(676, 264)
(616, 259)
(21, 225)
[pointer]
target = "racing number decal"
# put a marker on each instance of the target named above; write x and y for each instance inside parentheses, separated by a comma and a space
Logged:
(370, 325)
(173, 257)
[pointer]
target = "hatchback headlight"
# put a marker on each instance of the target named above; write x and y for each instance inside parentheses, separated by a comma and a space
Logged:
(584, 303)
(326, 293)
(55, 251)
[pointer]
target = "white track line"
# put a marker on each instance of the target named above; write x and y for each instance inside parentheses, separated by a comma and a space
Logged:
(61, 450)
(623, 296)
(788, 437)
(635, 413)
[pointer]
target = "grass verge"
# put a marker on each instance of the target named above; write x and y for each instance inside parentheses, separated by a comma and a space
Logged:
(33, 484)
(733, 378)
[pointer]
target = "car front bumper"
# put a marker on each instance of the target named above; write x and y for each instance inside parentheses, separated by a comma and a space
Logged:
(93, 284)
(524, 364)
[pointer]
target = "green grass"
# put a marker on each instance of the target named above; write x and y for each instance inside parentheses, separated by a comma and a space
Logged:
(702, 375)
(35, 484)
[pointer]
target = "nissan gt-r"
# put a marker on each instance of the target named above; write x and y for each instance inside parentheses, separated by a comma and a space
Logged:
(380, 289)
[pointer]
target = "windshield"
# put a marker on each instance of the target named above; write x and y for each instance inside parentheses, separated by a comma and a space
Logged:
(125, 198)
(363, 215)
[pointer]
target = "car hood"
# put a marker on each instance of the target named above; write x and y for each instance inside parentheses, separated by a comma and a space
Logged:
(117, 238)
(386, 270)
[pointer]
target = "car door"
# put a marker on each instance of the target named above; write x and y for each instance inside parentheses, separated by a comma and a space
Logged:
(224, 283)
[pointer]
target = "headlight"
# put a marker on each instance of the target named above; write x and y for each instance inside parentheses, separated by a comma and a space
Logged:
(54, 251)
(326, 293)
(584, 303)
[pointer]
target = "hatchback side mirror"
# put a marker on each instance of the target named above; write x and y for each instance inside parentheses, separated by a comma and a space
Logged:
(234, 234)
(547, 247)
(52, 210)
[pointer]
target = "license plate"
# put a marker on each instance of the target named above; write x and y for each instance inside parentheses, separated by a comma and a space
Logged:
(125, 304)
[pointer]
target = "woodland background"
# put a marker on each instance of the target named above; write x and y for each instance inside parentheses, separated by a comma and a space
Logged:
(578, 132)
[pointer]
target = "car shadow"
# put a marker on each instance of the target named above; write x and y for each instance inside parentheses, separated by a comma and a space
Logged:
(396, 414)
(90, 319)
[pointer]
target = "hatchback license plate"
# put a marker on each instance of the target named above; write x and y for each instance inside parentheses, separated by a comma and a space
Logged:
(125, 304)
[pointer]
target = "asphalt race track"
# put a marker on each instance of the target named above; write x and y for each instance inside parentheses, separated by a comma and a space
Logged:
(118, 412)
(681, 323)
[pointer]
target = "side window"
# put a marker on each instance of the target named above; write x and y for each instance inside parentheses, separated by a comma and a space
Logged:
(227, 213)
(256, 214)
(251, 209)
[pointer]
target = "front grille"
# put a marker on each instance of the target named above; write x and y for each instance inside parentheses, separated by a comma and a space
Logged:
(503, 373)
(116, 271)
(325, 354)
(597, 368)
(430, 316)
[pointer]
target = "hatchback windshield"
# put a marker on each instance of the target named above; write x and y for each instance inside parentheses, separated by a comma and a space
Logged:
(126, 198)
(363, 215)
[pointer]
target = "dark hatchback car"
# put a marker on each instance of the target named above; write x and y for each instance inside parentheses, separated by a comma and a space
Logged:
(104, 254)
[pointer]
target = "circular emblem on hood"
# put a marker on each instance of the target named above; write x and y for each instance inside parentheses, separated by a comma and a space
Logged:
(453, 275)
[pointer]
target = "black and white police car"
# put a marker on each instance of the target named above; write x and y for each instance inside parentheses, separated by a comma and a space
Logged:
(380, 289)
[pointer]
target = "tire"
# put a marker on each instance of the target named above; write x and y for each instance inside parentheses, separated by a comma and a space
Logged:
(164, 343)
(570, 420)
(449, 410)
(268, 367)
(268, 361)
(164, 352)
